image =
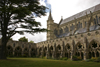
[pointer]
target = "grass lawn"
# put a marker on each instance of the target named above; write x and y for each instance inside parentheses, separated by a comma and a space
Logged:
(38, 62)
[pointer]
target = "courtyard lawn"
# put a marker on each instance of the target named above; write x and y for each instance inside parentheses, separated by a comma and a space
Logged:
(39, 62)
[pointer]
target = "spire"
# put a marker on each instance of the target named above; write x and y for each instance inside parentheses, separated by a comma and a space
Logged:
(50, 16)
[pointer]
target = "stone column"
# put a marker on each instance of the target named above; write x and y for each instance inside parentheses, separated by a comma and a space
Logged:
(95, 54)
(72, 55)
(54, 52)
(42, 52)
(47, 54)
(37, 52)
(85, 55)
(62, 51)
(30, 53)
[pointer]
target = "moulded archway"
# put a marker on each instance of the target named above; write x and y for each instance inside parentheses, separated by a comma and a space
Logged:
(51, 51)
(18, 51)
(9, 51)
(58, 51)
(33, 53)
(67, 50)
(26, 52)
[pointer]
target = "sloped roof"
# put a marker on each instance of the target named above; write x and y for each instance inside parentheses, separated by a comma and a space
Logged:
(83, 13)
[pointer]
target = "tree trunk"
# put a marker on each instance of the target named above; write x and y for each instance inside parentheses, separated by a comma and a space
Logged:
(3, 48)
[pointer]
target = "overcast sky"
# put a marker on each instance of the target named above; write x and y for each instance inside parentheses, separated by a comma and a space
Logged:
(65, 8)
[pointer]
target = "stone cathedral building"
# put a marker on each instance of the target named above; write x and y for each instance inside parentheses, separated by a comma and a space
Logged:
(78, 35)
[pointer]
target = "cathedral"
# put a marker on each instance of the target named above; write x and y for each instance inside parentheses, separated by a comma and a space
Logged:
(78, 35)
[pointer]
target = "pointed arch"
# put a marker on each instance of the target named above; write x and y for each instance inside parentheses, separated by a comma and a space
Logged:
(50, 51)
(18, 51)
(93, 43)
(45, 50)
(66, 29)
(9, 50)
(33, 54)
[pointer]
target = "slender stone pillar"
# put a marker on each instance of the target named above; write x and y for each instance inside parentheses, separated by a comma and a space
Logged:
(85, 55)
(47, 54)
(54, 52)
(29, 53)
(72, 55)
(37, 52)
(62, 51)
(42, 52)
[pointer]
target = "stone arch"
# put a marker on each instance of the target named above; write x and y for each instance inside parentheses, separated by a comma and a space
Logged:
(18, 51)
(58, 51)
(94, 21)
(93, 44)
(55, 32)
(78, 45)
(45, 50)
(61, 31)
(26, 52)
(33, 54)
(79, 49)
(67, 50)
(97, 20)
(66, 29)
(97, 54)
(51, 51)
(40, 49)
(9, 51)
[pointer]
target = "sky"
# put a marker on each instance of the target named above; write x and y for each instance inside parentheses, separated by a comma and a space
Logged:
(59, 8)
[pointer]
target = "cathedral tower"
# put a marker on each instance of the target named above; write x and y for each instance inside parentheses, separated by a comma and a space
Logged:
(50, 26)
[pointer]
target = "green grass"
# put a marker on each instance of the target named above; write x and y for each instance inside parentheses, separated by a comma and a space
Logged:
(38, 62)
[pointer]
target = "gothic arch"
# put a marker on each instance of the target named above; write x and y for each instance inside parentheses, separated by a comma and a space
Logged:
(9, 50)
(45, 50)
(67, 47)
(55, 32)
(79, 45)
(92, 48)
(50, 51)
(18, 51)
(79, 49)
(68, 50)
(61, 31)
(33, 54)
(93, 44)
(26, 52)
(66, 29)
(58, 51)
(40, 49)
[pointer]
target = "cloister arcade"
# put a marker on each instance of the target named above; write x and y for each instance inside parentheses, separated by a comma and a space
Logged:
(67, 50)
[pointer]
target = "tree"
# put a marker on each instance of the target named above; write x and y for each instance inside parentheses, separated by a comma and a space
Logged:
(18, 16)
(31, 41)
(23, 39)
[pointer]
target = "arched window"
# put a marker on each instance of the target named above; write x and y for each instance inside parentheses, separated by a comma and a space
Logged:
(85, 23)
(72, 27)
(66, 29)
(61, 31)
(77, 26)
(97, 19)
(14, 45)
(22, 45)
(94, 22)
(55, 32)
(81, 25)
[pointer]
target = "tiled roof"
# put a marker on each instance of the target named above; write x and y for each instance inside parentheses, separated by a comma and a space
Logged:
(83, 13)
